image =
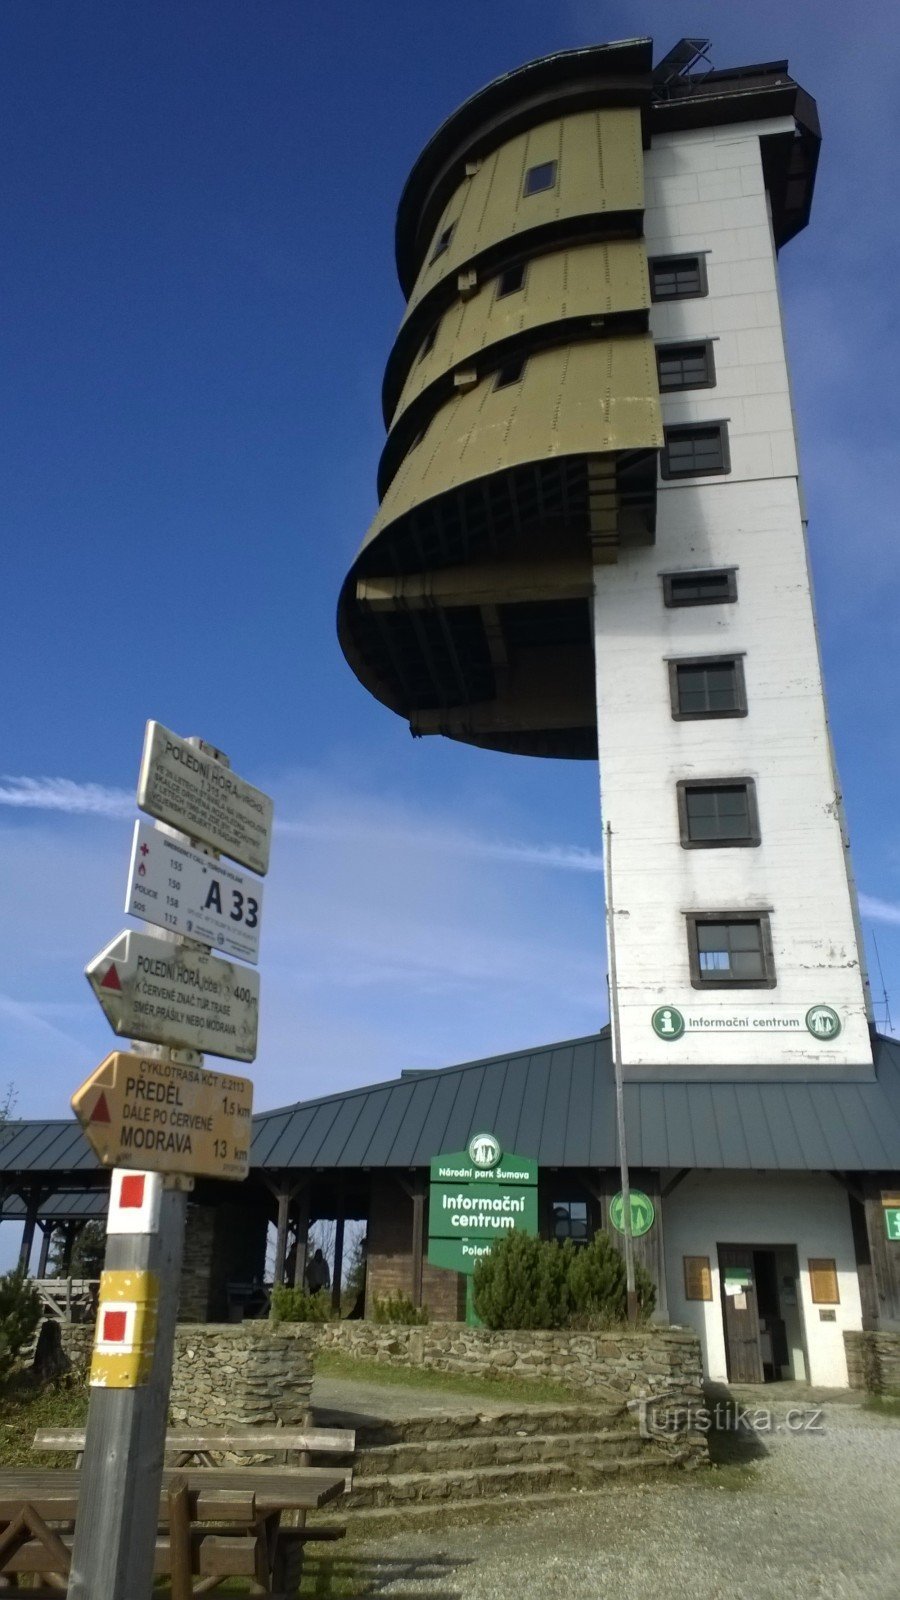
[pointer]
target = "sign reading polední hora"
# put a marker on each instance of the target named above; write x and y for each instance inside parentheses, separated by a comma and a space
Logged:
(187, 787)
(163, 1116)
(478, 1196)
(170, 994)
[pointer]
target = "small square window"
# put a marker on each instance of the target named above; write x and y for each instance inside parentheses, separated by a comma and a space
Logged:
(428, 341)
(685, 366)
(570, 1220)
(730, 950)
(511, 280)
(718, 814)
(715, 587)
(443, 241)
(707, 686)
(541, 177)
(677, 277)
(510, 372)
(695, 450)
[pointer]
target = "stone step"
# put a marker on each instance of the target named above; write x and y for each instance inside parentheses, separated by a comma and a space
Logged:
(461, 1454)
(475, 1424)
(460, 1487)
(520, 1493)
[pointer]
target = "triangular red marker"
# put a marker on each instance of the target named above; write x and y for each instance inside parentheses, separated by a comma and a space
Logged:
(100, 1112)
(111, 981)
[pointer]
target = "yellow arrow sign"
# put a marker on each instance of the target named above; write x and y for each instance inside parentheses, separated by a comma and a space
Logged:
(160, 1116)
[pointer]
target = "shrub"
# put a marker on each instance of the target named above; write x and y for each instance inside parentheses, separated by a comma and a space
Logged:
(20, 1313)
(399, 1308)
(597, 1283)
(523, 1283)
(295, 1305)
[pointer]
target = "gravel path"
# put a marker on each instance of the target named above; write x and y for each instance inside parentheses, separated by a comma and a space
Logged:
(817, 1515)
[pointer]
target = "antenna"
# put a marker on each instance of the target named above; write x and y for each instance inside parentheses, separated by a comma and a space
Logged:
(884, 994)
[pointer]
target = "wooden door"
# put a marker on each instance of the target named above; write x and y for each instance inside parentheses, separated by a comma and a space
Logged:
(740, 1314)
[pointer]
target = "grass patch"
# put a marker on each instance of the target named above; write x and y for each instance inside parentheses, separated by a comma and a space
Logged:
(884, 1405)
(26, 1406)
(540, 1391)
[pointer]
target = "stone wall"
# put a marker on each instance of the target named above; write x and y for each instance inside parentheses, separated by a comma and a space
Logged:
(244, 1374)
(223, 1243)
(873, 1361)
(389, 1269)
(622, 1362)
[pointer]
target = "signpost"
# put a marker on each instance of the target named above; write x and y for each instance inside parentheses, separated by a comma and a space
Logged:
(158, 1110)
(162, 1116)
(186, 783)
(478, 1196)
(176, 994)
(185, 892)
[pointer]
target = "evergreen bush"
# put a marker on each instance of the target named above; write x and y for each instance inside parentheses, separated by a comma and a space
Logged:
(20, 1313)
(399, 1308)
(523, 1283)
(295, 1305)
(597, 1283)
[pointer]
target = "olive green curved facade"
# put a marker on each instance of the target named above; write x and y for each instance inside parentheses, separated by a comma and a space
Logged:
(522, 408)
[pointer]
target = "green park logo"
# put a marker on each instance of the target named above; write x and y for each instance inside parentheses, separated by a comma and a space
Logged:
(484, 1151)
(667, 1023)
(822, 1022)
(642, 1213)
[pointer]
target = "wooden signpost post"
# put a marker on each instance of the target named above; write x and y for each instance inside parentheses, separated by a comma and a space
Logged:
(156, 1111)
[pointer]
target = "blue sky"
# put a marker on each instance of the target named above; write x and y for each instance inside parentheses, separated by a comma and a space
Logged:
(198, 290)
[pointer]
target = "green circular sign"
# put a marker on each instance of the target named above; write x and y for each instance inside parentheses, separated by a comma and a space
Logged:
(823, 1022)
(643, 1215)
(667, 1023)
(484, 1151)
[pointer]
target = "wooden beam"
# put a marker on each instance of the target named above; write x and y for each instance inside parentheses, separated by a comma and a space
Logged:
(284, 1206)
(418, 1243)
(338, 1260)
(47, 1232)
(31, 1215)
(301, 1249)
(483, 584)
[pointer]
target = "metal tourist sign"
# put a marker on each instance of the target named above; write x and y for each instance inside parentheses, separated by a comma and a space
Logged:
(477, 1196)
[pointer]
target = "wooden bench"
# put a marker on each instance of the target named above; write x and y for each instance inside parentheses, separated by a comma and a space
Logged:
(203, 1446)
(213, 1534)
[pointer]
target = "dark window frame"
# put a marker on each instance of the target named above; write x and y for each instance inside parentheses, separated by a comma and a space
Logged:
(684, 430)
(443, 242)
(510, 372)
(530, 188)
(731, 658)
(566, 1205)
(520, 268)
(704, 347)
(685, 786)
(429, 340)
(657, 266)
(702, 980)
(673, 599)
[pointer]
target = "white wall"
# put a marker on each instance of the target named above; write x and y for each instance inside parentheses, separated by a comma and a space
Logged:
(705, 193)
(809, 1210)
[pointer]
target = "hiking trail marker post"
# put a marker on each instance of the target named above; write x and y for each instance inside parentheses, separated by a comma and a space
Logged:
(157, 1110)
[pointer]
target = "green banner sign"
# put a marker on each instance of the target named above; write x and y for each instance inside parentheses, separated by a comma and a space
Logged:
(643, 1215)
(892, 1221)
(477, 1196)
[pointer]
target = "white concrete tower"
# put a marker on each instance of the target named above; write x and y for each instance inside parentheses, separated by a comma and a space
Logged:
(737, 932)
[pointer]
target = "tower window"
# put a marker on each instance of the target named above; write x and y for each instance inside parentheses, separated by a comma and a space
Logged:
(695, 450)
(718, 814)
(677, 277)
(541, 177)
(730, 950)
(685, 366)
(707, 686)
(443, 241)
(718, 587)
(428, 341)
(511, 280)
(510, 372)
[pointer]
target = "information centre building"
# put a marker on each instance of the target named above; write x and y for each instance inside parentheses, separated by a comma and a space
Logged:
(591, 545)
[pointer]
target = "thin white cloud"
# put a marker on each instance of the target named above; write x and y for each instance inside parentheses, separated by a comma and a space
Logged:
(63, 794)
(93, 799)
(879, 910)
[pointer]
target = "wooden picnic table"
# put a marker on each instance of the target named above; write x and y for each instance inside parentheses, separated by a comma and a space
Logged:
(212, 1493)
